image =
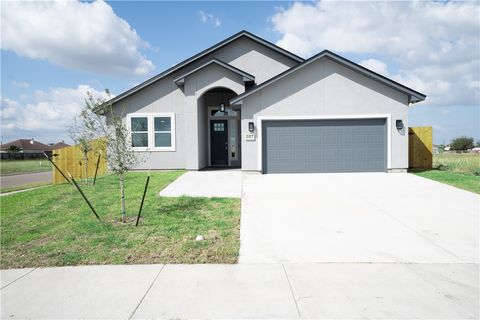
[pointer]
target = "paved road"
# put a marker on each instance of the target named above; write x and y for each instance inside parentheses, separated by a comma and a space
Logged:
(243, 291)
(26, 178)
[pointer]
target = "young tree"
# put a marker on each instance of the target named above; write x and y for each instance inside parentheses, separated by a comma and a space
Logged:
(82, 135)
(461, 143)
(14, 149)
(120, 155)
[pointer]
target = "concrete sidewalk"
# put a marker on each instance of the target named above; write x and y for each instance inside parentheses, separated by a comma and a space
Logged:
(307, 290)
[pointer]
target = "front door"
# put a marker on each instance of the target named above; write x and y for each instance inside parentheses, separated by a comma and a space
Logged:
(219, 142)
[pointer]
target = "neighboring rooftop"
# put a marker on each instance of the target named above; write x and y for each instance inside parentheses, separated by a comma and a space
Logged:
(59, 145)
(27, 144)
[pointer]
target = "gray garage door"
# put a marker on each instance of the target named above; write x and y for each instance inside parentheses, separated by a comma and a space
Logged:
(358, 145)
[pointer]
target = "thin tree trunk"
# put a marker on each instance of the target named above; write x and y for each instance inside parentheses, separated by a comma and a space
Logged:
(122, 192)
(85, 161)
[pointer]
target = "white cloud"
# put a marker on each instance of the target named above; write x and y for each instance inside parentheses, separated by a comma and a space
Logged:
(49, 114)
(434, 45)
(209, 18)
(375, 65)
(75, 35)
(20, 84)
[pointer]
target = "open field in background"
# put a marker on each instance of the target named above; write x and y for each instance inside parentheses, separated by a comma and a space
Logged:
(53, 226)
(457, 162)
(461, 170)
(22, 166)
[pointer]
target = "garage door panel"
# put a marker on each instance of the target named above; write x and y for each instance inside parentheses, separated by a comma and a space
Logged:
(324, 145)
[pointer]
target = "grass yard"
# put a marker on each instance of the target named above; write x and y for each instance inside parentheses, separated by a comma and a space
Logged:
(24, 186)
(53, 226)
(21, 166)
(461, 170)
(457, 162)
(464, 181)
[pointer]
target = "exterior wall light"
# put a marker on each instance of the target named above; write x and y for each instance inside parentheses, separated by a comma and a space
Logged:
(399, 124)
(222, 107)
(251, 127)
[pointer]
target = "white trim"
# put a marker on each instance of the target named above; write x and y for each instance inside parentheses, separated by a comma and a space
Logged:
(260, 119)
(151, 131)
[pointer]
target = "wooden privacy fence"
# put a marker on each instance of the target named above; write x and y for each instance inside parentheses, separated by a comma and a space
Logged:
(420, 147)
(71, 159)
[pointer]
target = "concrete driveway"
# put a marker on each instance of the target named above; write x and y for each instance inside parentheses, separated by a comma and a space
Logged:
(357, 217)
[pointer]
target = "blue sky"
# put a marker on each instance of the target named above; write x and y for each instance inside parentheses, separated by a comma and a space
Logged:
(116, 45)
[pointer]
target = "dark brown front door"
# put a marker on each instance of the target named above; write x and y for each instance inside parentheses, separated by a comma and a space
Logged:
(219, 142)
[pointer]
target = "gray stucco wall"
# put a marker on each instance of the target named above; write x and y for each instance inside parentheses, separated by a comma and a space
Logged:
(196, 86)
(326, 89)
(165, 96)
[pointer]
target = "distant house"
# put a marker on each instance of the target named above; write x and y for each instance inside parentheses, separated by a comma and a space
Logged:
(59, 145)
(28, 149)
(27, 146)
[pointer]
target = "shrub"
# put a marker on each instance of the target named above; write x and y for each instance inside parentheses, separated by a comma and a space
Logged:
(461, 144)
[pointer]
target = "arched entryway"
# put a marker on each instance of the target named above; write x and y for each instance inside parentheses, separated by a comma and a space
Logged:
(219, 134)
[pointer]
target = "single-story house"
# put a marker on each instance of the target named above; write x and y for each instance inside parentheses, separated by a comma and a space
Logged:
(26, 146)
(59, 145)
(27, 149)
(248, 103)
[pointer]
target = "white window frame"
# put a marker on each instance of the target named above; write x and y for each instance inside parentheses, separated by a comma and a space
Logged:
(151, 130)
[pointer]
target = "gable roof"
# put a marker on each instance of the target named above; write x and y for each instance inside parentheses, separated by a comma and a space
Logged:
(215, 47)
(27, 144)
(59, 145)
(246, 76)
(413, 96)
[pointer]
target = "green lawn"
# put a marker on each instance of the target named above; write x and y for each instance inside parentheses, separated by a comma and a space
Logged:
(19, 166)
(461, 170)
(464, 181)
(52, 226)
(24, 186)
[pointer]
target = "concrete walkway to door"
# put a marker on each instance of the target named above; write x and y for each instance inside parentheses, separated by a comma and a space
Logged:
(357, 217)
(206, 183)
